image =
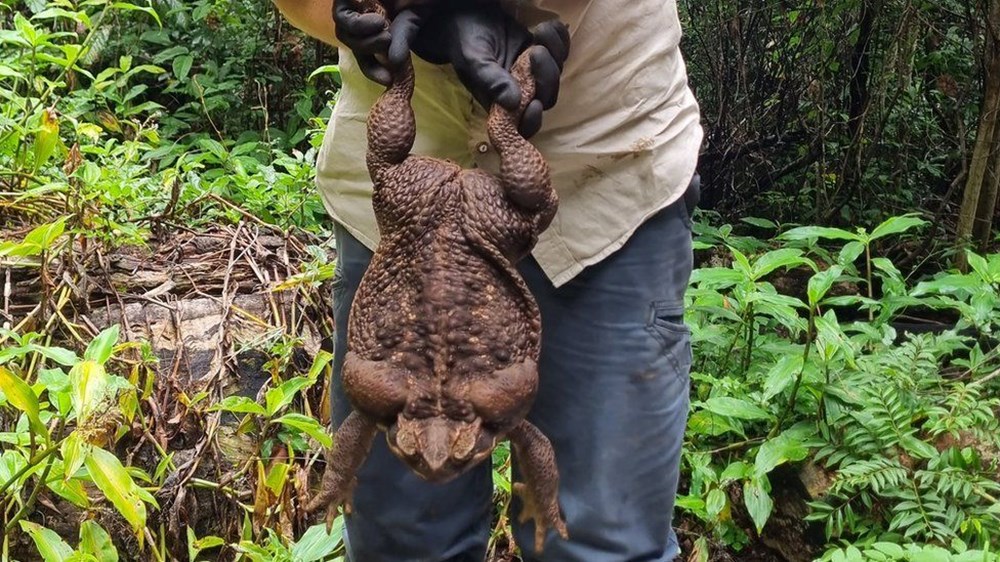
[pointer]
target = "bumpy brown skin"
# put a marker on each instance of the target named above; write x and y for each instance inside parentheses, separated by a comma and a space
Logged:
(444, 336)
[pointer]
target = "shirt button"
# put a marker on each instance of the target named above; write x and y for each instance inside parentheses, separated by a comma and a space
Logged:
(483, 147)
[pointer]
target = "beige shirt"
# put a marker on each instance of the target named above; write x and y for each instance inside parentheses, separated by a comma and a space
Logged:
(622, 141)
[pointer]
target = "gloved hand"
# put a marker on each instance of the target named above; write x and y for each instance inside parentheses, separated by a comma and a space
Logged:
(482, 42)
(369, 35)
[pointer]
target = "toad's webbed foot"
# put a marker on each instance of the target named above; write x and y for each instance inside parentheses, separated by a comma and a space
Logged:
(539, 492)
(350, 448)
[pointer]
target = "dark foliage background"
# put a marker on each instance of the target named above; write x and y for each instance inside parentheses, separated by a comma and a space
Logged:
(835, 111)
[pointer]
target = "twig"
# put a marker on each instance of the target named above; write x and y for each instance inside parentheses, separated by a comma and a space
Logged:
(30, 504)
(242, 212)
(985, 379)
(30, 465)
(201, 97)
(738, 445)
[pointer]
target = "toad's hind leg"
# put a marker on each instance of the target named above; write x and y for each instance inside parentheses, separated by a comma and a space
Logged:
(350, 448)
(503, 397)
(376, 388)
(539, 492)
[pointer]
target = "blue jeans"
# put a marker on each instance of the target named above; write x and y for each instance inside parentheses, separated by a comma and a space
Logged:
(613, 399)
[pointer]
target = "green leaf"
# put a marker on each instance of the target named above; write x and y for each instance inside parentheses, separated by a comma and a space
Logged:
(91, 386)
(12, 461)
(958, 545)
(132, 7)
(9, 36)
(726, 406)
(778, 300)
(710, 424)
(70, 490)
(277, 477)
(20, 395)
(716, 277)
(775, 452)
(75, 451)
(94, 540)
(930, 553)
(5, 70)
(701, 551)
(182, 65)
(282, 395)
(896, 225)
(319, 362)
(820, 283)
(892, 549)
(761, 223)
(196, 545)
(741, 263)
(738, 470)
(994, 266)
(44, 236)
(850, 300)
(101, 347)
(980, 266)
(50, 545)
(850, 252)
(917, 447)
(28, 31)
(316, 544)
(54, 13)
(307, 425)
(108, 474)
(40, 239)
(60, 355)
(326, 69)
(785, 257)
(215, 147)
(854, 555)
(759, 503)
(830, 337)
(204, 543)
(809, 232)
(715, 502)
(781, 375)
(948, 284)
(240, 405)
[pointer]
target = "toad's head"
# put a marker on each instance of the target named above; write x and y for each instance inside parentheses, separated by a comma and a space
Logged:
(439, 448)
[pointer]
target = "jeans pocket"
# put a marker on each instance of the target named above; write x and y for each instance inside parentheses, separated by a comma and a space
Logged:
(666, 324)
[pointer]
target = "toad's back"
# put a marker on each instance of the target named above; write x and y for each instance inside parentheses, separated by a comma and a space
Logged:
(443, 296)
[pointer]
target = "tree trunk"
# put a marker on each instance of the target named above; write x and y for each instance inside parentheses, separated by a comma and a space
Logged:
(861, 68)
(983, 150)
(859, 102)
(983, 224)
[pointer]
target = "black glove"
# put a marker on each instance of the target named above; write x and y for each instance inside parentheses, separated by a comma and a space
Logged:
(369, 35)
(482, 43)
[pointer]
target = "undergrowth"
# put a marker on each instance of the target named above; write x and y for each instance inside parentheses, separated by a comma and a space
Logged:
(899, 417)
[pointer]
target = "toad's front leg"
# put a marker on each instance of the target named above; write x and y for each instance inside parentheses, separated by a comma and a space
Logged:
(392, 127)
(350, 448)
(540, 490)
(524, 173)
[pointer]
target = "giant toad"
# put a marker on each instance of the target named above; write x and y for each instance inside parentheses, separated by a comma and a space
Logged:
(443, 334)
